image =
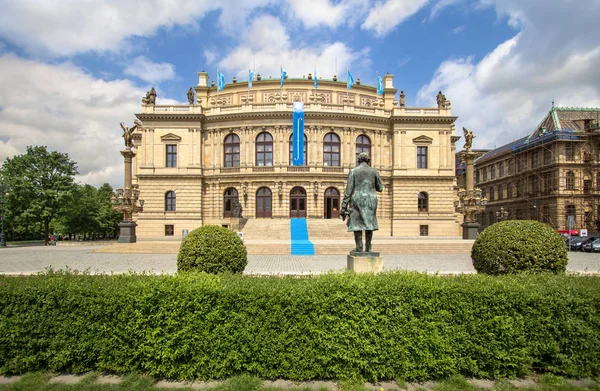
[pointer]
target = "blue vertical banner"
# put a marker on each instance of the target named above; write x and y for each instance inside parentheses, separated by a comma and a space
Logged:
(379, 85)
(220, 81)
(298, 134)
(350, 82)
(250, 77)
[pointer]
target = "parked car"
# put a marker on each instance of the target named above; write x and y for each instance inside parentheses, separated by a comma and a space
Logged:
(592, 246)
(578, 242)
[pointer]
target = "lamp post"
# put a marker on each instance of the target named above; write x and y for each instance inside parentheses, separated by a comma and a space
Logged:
(502, 214)
(3, 193)
(470, 202)
(127, 199)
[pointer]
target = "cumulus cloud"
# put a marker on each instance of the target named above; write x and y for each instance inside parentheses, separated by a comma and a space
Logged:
(149, 71)
(384, 17)
(505, 94)
(68, 110)
(66, 27)
(266, 45)
(315, 13)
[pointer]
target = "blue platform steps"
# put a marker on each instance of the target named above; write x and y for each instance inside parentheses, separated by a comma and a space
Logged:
(301, 245)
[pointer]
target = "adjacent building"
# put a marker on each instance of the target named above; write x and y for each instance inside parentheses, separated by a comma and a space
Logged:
(551, 175)
(194, 162)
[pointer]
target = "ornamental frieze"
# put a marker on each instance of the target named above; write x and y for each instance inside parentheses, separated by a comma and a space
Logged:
(221, 100)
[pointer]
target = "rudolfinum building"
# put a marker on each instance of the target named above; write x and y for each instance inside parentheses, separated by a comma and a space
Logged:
(194, 161)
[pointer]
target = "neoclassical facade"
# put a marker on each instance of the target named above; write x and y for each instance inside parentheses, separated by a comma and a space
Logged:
(194, 161)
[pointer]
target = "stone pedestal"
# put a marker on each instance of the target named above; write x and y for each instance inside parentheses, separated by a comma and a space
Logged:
(127, 232)
(470, 230)
(363, 262)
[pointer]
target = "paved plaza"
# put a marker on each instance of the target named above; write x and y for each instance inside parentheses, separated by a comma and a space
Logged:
(29, 260)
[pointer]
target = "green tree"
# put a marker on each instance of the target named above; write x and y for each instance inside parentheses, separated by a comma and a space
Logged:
(40, 183)
(108, 219)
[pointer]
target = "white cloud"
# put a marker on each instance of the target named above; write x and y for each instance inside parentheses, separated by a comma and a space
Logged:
(384, 17)
(66, 27)
(440, 6)
(67, 110)
(315, 13)
(149, 71)
(505, 94)
(266, 45)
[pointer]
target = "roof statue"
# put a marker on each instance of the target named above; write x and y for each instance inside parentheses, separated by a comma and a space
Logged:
(190, 96)
(469, 136)
(150, 98)
(441, 100)
(402, 97)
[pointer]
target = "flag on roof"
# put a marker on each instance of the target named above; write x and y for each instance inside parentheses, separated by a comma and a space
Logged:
(350, 80)
(250, 77)
(283, 75)
(315, 81)
(220, 81)
(379, 85)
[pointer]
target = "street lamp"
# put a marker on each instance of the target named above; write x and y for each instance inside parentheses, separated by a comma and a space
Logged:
(502, 214)
(3, 193)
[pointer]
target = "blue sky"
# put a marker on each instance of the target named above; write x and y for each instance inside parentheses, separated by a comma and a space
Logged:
(72, 69)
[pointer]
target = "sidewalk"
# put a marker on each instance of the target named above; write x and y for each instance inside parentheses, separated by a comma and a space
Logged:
(30, 260)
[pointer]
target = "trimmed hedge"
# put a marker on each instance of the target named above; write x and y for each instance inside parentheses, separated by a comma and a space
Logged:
(515, 246)
(212, 249)
(335, 326)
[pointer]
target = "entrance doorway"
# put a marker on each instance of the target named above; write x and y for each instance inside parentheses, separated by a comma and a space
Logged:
(332, 203)
(231, 195)
(298, 202)
(264, 203)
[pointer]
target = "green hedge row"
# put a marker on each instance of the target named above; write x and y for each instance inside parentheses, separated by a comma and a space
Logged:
(393, 325)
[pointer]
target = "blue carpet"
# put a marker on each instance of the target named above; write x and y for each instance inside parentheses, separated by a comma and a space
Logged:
(301, 245)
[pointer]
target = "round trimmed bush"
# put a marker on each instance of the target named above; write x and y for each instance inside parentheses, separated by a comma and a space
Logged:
(514, 246)
(212, 249)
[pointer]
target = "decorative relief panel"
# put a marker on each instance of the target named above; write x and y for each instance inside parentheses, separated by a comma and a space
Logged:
(244, 98)
(345, 99)
(321, 97)
(297, 96)
(370, 101)
(221, 100)
(274, 97)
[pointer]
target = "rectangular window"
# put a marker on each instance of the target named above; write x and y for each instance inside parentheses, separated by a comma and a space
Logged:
(169, 230)
(501, 169)
(511, 167)
(547, 156)
(171, 155)
(570, 152)
(421, 157)
(424, 230)
(493, 173)
(485, 174)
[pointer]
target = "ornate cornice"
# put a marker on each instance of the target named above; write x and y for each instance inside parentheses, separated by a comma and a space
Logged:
(160, 117)
(413, 119)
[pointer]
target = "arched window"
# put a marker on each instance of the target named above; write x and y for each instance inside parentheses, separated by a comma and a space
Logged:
(331, 150)
(231, 149)
(363, 144)
(492, 193)
(292, 149)
(264, 149)
(500, 194)
(423, 202)
(570, 181)
(170, 201)
(570, 211)
(509, 190)
(230, 196)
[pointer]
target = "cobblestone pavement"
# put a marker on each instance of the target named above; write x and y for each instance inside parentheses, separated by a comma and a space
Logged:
(28, 260)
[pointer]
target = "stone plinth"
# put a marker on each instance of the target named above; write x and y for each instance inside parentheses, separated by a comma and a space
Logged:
(127, 232)
(470, 230)
(363, 262)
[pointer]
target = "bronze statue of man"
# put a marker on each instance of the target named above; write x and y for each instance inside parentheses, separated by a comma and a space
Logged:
(360, 201)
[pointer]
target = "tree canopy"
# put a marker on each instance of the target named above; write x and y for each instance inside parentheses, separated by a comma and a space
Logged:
(40, 184)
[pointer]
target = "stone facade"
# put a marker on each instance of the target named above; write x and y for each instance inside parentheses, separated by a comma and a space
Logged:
(188, 170)
(549, 175)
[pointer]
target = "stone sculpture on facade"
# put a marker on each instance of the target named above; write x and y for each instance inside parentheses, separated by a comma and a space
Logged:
(150, 98)
(468, 138)
(441, 100)
(360, 202)
(190, 96)
(402, 96)
(237, 209)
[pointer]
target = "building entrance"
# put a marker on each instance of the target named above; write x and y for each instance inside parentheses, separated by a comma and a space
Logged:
(332, 203)
(264, 203)
(298, 202)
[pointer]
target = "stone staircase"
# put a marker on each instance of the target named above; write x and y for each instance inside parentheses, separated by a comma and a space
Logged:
(267, 236)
